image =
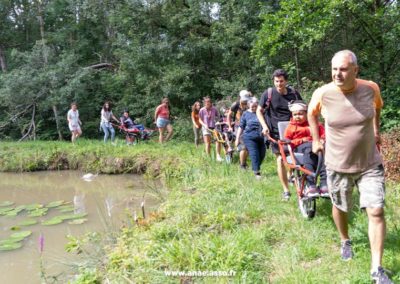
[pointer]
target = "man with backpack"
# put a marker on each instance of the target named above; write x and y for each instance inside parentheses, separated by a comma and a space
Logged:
(273, 108)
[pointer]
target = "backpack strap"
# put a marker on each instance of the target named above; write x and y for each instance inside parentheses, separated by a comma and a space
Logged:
(269, 98)
(267, 111)
(294, 91)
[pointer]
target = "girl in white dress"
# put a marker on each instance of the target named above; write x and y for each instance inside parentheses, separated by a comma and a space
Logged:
(74, 123)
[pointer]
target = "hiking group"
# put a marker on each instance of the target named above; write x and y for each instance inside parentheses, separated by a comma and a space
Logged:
(351, 110)
(349, 139)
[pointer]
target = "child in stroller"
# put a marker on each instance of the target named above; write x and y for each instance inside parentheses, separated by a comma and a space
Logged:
(133, 131)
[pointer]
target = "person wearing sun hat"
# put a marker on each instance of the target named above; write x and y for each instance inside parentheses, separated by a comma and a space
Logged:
(299, 134)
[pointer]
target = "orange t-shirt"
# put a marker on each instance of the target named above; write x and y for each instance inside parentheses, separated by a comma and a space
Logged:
(195, 118)
(349, 125)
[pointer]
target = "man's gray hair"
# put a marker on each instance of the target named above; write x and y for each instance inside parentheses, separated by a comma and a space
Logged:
(349, 53)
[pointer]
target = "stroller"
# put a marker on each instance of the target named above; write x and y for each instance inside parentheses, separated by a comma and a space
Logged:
(294, 161)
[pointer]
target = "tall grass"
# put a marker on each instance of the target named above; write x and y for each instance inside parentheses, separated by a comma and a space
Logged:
(217, 217)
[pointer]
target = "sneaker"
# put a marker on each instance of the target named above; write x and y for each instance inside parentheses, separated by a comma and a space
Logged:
(346, 251)
(286, 195)
(323, 191)
(380, 276)
(219, 159)
(258, 176)
(311, 191)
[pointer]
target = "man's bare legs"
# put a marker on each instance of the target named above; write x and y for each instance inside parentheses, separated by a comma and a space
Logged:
(376, 234)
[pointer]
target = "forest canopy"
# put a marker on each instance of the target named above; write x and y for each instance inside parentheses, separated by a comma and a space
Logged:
(135, 52)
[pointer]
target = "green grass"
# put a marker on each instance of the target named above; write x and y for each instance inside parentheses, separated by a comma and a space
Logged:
(216, 217)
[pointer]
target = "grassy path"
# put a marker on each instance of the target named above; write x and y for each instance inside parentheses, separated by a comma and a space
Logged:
(216, 217)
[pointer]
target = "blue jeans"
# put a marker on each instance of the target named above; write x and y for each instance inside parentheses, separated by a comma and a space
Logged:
(256, 147)
(107, 129)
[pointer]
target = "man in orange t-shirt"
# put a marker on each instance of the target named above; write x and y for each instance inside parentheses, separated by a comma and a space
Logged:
(351, 108)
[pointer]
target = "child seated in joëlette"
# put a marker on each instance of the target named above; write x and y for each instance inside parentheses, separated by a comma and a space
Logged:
(129, 123)
(224, 127)
(299, 133)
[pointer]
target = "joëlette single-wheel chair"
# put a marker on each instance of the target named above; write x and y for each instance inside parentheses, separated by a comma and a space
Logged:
(226, 141)
(135, 134)
(294, 161)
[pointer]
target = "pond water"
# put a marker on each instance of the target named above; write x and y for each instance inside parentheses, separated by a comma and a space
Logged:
(108, 200)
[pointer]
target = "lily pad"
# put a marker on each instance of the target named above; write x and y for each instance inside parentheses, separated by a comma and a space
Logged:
(6, 203)
(33, 206)
(66, 208)
(27, 222)
(11, 213)
(38, 212)
(77, 221)
(72, 216)
(55, 204)
(52, 221)
(3, 211)
(22, 234)
(10, 246)
(19, 236)
(20, 207)
(14, 212)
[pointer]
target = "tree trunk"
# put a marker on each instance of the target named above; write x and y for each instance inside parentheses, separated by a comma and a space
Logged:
(41, 25)
(60, 137)
(296, 60)
(3, 64)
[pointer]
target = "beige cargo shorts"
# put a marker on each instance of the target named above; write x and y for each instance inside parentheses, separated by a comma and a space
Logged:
(370, 184)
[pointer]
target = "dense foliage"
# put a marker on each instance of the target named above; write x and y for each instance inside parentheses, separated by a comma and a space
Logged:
(134, 52)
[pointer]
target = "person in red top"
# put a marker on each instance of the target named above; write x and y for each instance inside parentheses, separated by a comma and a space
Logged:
(299, 133)
(162, 120)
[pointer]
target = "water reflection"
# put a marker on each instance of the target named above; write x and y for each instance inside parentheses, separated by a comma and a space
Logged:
(106, 200)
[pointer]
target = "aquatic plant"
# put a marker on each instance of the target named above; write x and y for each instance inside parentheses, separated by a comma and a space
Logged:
(35, 210)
